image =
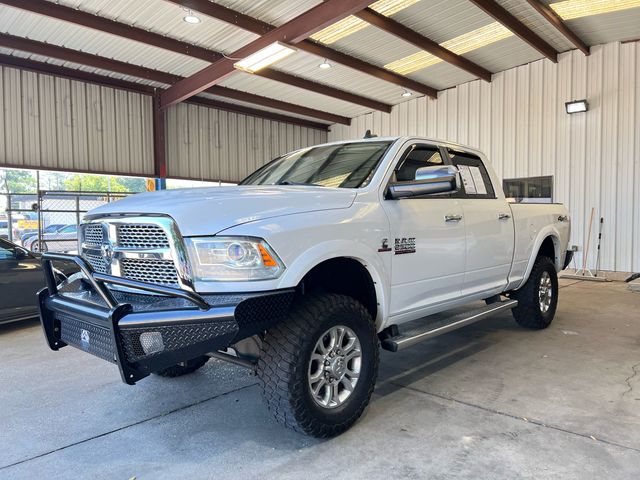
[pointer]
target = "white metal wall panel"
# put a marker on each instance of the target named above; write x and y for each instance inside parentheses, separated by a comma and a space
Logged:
(519, 121)
(209, 144)
(54, 123)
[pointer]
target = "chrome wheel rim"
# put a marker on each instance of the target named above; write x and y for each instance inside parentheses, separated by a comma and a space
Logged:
(334, 366)
(545, 292)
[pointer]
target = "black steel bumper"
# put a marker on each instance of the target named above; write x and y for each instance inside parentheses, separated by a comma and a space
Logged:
(145, 332)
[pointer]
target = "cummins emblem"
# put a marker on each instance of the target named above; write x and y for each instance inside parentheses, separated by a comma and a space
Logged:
(405, 245)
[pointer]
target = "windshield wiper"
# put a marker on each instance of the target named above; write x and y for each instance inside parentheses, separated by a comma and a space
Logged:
(287, 182)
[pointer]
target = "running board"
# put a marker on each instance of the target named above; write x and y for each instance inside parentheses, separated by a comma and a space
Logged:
(424, 332)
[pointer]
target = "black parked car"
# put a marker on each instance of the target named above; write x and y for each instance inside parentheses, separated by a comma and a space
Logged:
(20, 278)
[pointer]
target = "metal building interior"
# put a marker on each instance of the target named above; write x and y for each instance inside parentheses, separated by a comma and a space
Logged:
(155, 89)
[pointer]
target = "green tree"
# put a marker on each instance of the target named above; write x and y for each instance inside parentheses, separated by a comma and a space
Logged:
(18, 181)
(94, 183)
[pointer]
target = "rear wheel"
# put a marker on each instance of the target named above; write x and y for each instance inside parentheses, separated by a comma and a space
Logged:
(318, 368)
(189, 366)
(538, 298)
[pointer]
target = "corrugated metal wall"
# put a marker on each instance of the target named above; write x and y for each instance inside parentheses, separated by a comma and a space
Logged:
(49, 122)
(519, 121)
(209, 144)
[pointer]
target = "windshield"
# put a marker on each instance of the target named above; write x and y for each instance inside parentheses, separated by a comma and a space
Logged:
(348, 165)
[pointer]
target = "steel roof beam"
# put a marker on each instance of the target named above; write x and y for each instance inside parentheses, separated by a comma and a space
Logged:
(259, 27)
(292, 32)
(395, 28)
(493, 9)
(85, 19)
(83, 58)
(79, 75)
(554, 19)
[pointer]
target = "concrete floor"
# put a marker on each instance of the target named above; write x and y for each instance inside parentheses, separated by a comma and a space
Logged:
(489, 401)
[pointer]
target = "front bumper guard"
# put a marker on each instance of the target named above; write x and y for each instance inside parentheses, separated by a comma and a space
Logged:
(126, 329)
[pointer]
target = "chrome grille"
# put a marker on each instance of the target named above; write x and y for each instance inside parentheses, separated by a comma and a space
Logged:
(97, 262)
(161, 272)
(93, 234)
(141, 236)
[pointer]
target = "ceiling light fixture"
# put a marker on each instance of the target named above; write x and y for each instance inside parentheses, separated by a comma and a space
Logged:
(576, 106)
(191, 18)
(324, 65)
(406, 93)
(352, 24)
(570, 9)
(265, 57)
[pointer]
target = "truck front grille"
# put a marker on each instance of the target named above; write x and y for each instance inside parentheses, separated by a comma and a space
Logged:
(93, 234)
(142, 236)
(137, 248)
(97, 262)
(160, 272)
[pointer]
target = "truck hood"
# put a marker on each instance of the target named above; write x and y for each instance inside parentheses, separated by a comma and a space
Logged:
(207, 211)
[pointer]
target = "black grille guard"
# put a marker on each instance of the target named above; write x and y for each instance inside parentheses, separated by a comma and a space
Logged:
(113, 329)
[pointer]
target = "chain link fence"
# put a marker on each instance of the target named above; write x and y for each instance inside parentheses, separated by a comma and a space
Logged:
(47, 221)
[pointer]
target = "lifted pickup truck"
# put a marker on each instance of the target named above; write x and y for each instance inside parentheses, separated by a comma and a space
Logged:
(303, 270)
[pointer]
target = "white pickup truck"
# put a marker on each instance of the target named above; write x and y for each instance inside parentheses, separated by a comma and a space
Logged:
(305, 269)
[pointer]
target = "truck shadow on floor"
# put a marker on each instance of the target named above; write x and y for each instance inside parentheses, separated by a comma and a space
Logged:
(419, 362)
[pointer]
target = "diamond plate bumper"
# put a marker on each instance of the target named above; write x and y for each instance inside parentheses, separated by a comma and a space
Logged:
(145, 332)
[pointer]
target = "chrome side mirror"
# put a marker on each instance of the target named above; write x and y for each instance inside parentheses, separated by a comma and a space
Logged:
(428, 181)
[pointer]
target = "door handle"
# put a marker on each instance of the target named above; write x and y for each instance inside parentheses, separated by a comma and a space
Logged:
(504, 216)
(452, 218)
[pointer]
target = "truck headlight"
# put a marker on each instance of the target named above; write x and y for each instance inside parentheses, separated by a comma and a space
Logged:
(232, 259)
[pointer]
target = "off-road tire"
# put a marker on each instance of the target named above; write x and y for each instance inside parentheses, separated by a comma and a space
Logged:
(284, 363)
(528, 313)
(178, 370)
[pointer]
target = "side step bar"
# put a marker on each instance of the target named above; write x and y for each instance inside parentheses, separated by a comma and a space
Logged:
(431, 330)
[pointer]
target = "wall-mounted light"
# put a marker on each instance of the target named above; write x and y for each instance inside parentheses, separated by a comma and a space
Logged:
(576, 106)
(265, 57)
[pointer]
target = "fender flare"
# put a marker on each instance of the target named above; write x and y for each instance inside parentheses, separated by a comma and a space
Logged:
(359, 252)
(548, 231)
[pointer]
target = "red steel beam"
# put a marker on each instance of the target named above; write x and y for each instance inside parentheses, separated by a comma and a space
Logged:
(159, 138)
(291, 32)
(554, 19)
(493, 9)
(85, 19)
(83, 58)
(103, 24)
(395, 28)
(259, 27)
(326, 90)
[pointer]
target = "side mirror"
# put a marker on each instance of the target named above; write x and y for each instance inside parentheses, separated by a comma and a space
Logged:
(21, 253)
(428, 181)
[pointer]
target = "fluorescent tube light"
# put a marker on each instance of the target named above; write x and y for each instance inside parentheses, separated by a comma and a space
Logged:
(352, 24)
(265, 57)
(577, 106)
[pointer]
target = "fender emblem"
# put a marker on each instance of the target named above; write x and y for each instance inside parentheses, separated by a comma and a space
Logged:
(385, 246)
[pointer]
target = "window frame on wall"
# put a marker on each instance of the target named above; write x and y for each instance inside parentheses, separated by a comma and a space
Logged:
(527, 183)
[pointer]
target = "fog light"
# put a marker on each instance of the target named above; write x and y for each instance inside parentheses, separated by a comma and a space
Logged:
(151, 342)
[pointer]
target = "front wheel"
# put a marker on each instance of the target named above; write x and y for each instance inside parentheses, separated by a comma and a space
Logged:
(538, 297)
(318, 368)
